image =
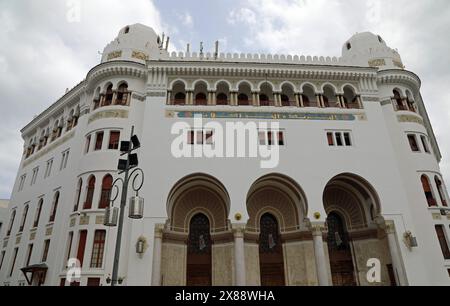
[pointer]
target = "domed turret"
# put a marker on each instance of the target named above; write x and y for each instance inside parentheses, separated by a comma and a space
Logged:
(134, 43)
(368, 49)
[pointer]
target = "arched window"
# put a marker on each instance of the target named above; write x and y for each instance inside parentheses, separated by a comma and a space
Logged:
(11, 222)
(78, 195)
(309, 96)
(350, 98)
(108, 96)
(329, 97)
(180, 99)
(199, 257)
(24, 218)
(288, 95)
(200, 99)
(428, 191)
(306, 102)
(243, 100)
(97, 98)
(398, 101)
(106, 192)
(122, 95)
(441, 191)
(38, 213)
(54, 207)
(70, 121)
(264, 100)
(271, 252)
(222, 99)
(89, 193)
(285, 101)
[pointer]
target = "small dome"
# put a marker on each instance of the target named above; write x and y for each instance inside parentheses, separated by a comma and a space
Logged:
(368, 49)
(136, 43)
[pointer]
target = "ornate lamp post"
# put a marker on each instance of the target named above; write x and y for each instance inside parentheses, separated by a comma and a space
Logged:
(136, 209)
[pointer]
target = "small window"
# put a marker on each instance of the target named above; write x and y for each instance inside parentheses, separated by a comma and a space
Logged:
(38, 213)
(339, 142)
(88, 143)
(11, 222)
(64, 159)
(127, 30)
(29, 253)
(2, 259)
(347, 139)
(209, 139)
(349, 46)
(24, 218)
(22, 182)
(114, 138)
(11, 271)
(330, 138)
(440, 231)
(262, 138)
(46, 249)
(98, 249)
(98, 141)
(54, 207)
(426, 148)
(34, 177)
(413, 143)
(270, 141)
(69, 248)
(191, 137)
(48, 169)
(280, 138)
(81, 246)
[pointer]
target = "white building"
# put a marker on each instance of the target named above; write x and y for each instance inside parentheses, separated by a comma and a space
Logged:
(358, 175)
(3, 214)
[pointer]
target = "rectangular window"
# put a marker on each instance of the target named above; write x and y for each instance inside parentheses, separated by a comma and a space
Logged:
(425, 144)
(209, 139)
(339, 140)
(330, 138)
(199, 137)
(45, 252)
(98, 141)
(22, 182)
(88, 144)
(38, 213)
(440, 231)
(81, 246)
(13, 263)
(69, 248)
(191, 137)
(114, 138)
(413, 143)
(34, 177)
(262, 138)
(98, 249)
(29, 253)
(64, 159)
(2, 259)
(281, 138)
(48, 169)
(347, 139)
(271, 138)
(93, 282)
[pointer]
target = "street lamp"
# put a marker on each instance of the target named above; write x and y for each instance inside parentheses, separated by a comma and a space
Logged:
(114, 216)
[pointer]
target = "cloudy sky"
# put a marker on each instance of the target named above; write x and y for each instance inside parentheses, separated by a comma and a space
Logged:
(46, 46)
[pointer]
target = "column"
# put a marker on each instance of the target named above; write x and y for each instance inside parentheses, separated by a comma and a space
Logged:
(360, 105)
(254, 99)
(319, 251)
(297, 100)
(169, 97)
(209, 101)
(319, 103)
(322, 101)
(399, 273)
(258, 101)
(214, 98)
(239, 255)
(301, 100)
(276, 97)
(157, 253)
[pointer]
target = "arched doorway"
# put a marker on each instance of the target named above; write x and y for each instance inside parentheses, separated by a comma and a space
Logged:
(271, 252)
(199, 259)
(341, 259)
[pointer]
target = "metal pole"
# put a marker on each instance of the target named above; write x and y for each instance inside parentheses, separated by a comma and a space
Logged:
(123, 203)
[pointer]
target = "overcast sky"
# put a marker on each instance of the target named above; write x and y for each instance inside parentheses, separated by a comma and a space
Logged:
(45, 48)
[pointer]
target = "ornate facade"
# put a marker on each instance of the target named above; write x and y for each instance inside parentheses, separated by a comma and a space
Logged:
(358, 176)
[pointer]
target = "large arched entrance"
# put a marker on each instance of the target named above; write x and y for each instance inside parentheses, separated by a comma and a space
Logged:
(354, 237)
(277, 237)
(197, 239)
(199, 260)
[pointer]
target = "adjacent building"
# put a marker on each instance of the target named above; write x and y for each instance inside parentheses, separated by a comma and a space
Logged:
(355, 178)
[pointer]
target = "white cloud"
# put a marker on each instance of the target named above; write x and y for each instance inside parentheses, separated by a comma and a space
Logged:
(186, 19)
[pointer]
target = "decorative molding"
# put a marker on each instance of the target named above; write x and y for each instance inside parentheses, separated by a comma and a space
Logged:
(84, 220)
(49, 231)
(18, 239)
(49, 148)
(437, 216)
(113, 55)
(73, 222)
(5, 243)
(139, 55)
(99, 220)
(370, 99)
(318, 228)
(377, 62)
(265, 115)
(386, 102)
(33, 235)
(122, 114)
(138, 97)
(410, 119)
(156, 94)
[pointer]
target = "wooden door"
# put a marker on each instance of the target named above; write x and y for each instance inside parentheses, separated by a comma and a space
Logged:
(199, 259)
(271, 252)
(341, 259)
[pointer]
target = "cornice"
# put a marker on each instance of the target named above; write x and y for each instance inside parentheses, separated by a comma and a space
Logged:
(396, 76)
